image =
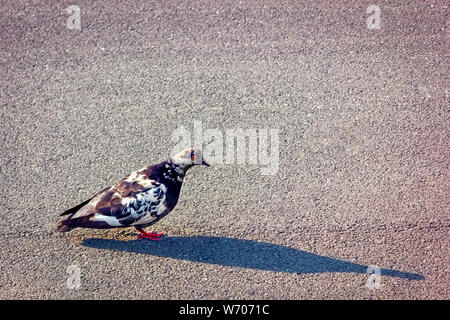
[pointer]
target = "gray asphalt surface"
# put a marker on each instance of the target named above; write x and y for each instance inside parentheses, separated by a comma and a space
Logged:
(364, 147)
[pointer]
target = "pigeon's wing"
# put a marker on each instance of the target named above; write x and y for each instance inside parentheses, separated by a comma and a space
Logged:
(81, 205)
(135, 200)
(131, 201)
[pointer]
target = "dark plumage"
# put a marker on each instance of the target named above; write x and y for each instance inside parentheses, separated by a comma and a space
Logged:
(140, 199)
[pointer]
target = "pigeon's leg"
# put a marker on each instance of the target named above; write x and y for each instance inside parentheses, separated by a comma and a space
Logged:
(152, 235)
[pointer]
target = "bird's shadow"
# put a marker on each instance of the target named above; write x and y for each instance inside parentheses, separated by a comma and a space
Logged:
(242, 253)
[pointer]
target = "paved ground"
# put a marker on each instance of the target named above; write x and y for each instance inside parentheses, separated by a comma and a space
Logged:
(364, 147)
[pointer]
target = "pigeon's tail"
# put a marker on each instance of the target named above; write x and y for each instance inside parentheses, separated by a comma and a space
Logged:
(65, 225)
(85, 221)
(72, 223)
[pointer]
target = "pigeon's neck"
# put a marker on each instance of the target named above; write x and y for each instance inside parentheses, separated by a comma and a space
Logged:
(174, 172)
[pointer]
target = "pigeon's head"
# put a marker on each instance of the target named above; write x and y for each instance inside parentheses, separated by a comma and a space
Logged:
(189, 157)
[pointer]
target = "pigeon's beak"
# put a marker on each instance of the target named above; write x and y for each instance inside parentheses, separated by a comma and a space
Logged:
(206, 163)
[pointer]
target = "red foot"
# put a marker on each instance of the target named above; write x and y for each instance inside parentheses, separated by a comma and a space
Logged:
(152, 235)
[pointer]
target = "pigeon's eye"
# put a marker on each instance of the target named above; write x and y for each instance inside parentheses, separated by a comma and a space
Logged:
(192, 157)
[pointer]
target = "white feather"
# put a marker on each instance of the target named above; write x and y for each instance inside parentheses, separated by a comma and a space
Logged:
(112, 221)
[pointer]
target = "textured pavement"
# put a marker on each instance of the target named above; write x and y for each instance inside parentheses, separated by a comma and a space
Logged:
(363, 175)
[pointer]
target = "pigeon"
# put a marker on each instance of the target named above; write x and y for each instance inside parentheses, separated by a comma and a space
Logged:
(139, 200)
